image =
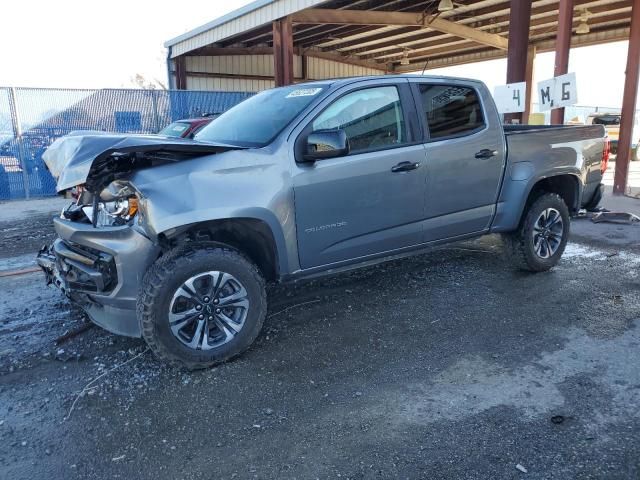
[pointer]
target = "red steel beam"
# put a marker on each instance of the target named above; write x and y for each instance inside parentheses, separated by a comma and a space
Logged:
(630, 95)
(283, 52)
(519, 20)
(181, 72)
(563, 44)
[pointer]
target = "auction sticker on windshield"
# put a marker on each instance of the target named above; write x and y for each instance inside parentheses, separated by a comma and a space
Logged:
(304, 92)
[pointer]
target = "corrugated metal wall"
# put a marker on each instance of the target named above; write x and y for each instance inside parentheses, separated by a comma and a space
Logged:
(228, 84)
(259, 66)
(320, 68)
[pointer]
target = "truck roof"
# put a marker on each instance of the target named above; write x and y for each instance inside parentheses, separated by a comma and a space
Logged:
(347, 80)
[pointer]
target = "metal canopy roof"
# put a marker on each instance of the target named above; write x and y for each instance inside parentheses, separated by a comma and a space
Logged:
(388, 34)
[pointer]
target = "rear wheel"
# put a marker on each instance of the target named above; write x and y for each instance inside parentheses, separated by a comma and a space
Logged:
(542, 236)
(201, 305)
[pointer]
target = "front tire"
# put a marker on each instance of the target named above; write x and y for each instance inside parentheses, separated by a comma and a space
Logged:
(542, 235)
(201, 305)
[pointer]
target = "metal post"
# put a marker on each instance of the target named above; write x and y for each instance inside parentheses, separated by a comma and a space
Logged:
(181, 72)
(628, 103)
(531, 58)
(283, 52)
(17, 133)
(519, 20)
(563, 44)
(156, 116)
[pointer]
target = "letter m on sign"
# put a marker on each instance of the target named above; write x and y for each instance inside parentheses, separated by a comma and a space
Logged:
(546, 94)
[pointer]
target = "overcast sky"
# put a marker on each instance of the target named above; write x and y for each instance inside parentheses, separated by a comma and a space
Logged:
(73, 44)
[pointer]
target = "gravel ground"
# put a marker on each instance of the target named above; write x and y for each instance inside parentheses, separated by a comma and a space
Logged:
(446, 365)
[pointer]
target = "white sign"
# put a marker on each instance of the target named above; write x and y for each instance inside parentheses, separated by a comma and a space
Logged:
(304, 92)
(558, 92)
(510, 98)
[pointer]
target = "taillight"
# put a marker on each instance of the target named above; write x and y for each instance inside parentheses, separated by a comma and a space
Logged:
(605, 155)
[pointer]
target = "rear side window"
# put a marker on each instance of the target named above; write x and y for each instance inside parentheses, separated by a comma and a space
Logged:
(372, 118)
(451, 110)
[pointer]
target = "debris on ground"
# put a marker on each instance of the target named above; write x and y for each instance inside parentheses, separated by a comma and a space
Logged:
(615, 217)
(521, 468)
(557, 419)
(73, 333)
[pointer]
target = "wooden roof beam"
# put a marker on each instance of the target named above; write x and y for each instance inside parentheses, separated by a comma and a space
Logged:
(395, 49)
(360, 17)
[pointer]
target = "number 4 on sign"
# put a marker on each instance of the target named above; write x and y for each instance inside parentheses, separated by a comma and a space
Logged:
(510, 98)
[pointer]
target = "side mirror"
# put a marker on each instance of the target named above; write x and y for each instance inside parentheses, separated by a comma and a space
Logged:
(323, 144)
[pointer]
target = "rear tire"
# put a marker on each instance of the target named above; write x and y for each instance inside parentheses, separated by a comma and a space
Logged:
(542, 235)
(201, 305)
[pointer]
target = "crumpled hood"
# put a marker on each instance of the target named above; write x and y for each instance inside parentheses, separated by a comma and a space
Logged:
(70, 158)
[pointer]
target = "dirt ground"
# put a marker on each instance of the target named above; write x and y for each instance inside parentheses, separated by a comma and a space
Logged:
(447, 365)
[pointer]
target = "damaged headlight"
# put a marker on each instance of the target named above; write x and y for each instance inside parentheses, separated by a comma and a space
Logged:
(116, 191)
(110, 214)
(117, 204)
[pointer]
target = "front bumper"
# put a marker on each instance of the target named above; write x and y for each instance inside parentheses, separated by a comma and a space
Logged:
(101, 269)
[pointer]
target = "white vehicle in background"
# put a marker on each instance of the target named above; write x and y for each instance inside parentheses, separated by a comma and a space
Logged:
(611, 122)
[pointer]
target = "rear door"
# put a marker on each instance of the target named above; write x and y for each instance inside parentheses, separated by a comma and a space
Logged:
(369, 201)
(465, 156)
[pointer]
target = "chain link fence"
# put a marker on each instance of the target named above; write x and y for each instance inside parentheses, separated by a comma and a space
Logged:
(32, 118)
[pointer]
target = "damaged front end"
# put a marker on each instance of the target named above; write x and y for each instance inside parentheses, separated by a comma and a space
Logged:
(100, 269)
(103, 249)
(77, 269)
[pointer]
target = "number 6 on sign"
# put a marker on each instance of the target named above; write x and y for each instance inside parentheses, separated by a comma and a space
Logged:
(510, 98)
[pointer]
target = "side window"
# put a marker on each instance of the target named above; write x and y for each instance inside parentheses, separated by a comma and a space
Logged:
(451, 110)
(372, 118)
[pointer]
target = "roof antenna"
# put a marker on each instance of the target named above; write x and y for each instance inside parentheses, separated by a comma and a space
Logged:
(425, 66)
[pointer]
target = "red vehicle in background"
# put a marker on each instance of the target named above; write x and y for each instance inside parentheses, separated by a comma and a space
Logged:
(188, 127)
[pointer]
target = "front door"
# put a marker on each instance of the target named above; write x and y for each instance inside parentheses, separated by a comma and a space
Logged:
(369, 201)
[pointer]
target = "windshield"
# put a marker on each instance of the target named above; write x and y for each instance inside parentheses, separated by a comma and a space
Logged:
(175, 129)
(259, 119)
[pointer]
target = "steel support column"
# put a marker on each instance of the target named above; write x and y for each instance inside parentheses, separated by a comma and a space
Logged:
(519, 20)
(630, 95)
(563, 44)
(283, 52)
(531, 59)
(181, 72)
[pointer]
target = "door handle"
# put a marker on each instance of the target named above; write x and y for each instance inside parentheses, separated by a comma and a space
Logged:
(405, 166)
(486, 153)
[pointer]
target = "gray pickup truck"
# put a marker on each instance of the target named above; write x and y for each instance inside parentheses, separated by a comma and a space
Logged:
(174, 240)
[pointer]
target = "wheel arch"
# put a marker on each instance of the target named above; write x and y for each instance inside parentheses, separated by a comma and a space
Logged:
(566, 185)
(253, 237)
(520, 194)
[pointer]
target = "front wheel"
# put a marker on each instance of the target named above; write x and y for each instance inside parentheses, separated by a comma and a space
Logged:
(201, 305)
(542, 235)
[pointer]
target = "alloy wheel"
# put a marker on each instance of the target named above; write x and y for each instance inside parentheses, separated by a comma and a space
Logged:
(208, 310)
(547, 233)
